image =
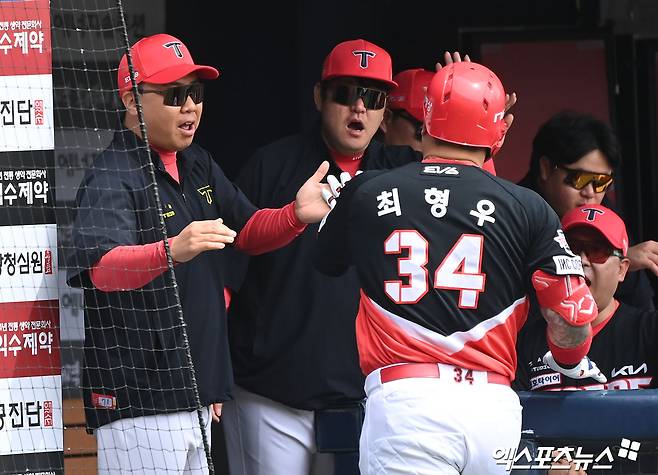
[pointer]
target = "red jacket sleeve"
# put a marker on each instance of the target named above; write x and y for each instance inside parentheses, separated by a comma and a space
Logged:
(269, 229)
(129, 267)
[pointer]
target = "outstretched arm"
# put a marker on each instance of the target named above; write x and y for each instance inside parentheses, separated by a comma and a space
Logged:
(568, 308)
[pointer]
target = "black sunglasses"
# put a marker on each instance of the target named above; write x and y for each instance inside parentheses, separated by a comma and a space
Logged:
(579, 179)
(597, 252)
(418, 125)
(177, 96)
(347, 95)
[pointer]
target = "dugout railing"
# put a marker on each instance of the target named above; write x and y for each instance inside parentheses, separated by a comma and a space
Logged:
(626, 422)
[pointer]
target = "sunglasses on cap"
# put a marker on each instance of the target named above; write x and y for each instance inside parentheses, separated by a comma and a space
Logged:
(579, 179)
(177, 96)
(418, 125)
(597, 252)
(348, 94)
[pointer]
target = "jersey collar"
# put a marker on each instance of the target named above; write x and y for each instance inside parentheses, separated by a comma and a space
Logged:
(601, 325)
(433, 159)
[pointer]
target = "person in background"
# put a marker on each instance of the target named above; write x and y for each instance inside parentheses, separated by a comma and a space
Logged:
(573, 159)
(624, 337)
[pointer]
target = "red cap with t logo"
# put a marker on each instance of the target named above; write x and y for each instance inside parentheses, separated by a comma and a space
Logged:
(604, 220)
(360, 59)
(160, 59)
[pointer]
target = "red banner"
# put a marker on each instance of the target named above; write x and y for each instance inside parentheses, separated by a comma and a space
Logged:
(25, 46)
(29, 339)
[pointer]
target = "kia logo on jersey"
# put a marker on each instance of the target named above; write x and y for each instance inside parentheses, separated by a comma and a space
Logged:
(365, 55)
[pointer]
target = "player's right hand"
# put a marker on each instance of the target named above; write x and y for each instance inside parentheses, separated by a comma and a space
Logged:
(585, 369)
(200, 236)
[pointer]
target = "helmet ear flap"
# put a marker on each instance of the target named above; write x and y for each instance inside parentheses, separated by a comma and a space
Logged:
(498, 145)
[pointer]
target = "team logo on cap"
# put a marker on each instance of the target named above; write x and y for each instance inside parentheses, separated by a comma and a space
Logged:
(365, 56)
(591, 213)
(175, 45)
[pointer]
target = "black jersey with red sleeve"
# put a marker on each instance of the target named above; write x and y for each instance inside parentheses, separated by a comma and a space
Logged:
(624, 349)
(445, 253)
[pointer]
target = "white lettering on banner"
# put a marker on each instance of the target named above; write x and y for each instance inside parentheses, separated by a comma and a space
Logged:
(12, 343)
(15, 190)
(28, 268)
(566, 265)
(31, 415)
(26, 113)
(25, 41)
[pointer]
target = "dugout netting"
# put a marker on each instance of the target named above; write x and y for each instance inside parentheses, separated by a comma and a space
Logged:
(67, 349)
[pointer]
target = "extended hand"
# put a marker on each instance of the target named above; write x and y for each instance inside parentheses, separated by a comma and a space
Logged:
(644, 256)
(200, 236)
(585, 369)
(310, 205)
(454, 58)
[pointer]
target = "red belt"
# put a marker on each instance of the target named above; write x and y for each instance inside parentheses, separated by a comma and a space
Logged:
(431, 370)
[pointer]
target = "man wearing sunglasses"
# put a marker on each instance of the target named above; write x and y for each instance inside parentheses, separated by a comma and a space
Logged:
(573, 159)
(138, 388)
(292, 328)
(623, 336)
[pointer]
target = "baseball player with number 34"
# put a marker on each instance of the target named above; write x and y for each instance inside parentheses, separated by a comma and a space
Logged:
(447, 256)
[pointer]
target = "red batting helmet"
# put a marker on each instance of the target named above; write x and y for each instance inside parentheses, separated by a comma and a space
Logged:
(410, 93)
(465, 105)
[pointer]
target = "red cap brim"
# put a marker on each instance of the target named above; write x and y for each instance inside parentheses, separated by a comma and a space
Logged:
(175, 73)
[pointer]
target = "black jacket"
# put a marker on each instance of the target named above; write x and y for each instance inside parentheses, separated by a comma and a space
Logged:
(291, 328)
(135, 362)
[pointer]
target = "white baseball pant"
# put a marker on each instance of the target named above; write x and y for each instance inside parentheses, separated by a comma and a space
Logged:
(264, 437)
(437, 425)
(163, 443)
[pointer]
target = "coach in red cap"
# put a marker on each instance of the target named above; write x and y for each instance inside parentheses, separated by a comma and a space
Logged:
(291, 328)
(624, 337)
(143, 399)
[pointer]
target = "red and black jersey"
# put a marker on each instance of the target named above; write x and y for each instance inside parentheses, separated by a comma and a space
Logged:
(445, 253)
(624, 349)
